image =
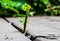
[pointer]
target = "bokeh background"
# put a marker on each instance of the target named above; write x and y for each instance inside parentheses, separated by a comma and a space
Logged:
(16, 8)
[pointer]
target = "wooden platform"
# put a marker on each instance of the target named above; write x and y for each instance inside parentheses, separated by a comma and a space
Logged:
(36, 26)
(40, 26)
(9, 33)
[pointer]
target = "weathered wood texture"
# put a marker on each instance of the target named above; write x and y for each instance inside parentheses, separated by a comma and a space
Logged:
(40, 26)
(9, 33)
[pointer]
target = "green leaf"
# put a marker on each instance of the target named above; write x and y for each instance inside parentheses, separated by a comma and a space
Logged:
(25, 7)
(59, 0)
(35, 4)
(22, 20)
(45, 1)
(31, 13)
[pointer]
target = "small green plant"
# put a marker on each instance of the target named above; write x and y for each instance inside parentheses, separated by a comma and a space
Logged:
(16, 5)
(26, 8)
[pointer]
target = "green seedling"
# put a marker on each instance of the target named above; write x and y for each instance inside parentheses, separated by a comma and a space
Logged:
(26, 8)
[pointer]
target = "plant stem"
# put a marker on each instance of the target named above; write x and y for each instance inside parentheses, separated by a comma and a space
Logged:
(25, 23)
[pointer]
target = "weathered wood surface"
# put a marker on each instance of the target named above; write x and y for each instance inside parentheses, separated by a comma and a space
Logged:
(9, 33)
(40, 26)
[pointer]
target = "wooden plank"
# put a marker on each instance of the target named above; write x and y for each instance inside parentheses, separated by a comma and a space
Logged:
(40, 26)
(9, 33)
(6, 27)
(37, 24)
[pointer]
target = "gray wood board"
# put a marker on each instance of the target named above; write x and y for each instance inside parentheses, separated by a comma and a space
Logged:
(40, 26)
(9, 33)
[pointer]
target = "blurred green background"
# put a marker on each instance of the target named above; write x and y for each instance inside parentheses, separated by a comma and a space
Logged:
(13, 8)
